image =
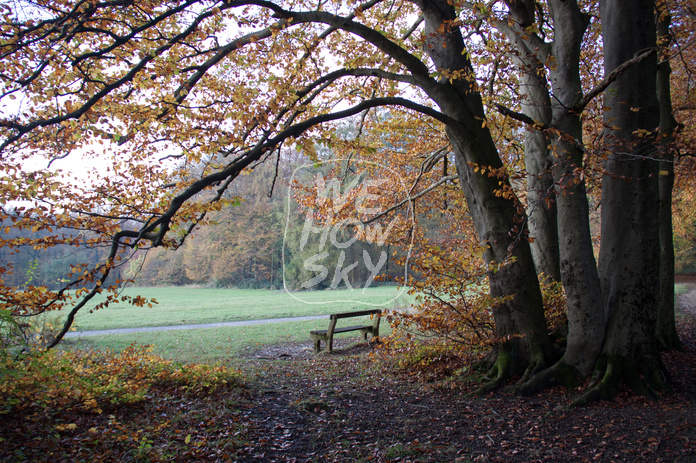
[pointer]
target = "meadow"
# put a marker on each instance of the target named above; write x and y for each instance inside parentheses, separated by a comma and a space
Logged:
(188, 305)
(191, 305)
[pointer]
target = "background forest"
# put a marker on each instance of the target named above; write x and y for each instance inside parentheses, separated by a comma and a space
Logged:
(242, 247)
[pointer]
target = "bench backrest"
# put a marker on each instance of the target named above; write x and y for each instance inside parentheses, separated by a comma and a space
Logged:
(336, 316)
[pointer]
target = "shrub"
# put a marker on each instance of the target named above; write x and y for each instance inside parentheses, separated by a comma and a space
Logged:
(94, 380)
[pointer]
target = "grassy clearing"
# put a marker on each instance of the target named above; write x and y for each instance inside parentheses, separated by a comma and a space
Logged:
(186, 305)
(213, 345)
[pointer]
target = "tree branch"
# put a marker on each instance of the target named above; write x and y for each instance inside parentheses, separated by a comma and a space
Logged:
(255, 153)
(181, 93)
(393, 50)
(22, 129)
(357, 72)
(505, 111)
(411, 198)
(610, 78)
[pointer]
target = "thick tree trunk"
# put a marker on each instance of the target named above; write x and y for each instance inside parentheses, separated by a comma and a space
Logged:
(498, 218)
(666, 327)
(629, 259)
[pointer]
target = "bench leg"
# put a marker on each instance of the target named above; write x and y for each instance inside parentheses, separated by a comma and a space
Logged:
(330, 333)
(317, 345)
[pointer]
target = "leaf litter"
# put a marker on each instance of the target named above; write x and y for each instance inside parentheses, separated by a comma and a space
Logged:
(349, 406)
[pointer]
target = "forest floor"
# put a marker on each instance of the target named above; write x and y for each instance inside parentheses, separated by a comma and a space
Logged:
(340, 407)
(350, 406)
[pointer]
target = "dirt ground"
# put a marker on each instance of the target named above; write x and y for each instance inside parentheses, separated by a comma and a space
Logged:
(341, 407)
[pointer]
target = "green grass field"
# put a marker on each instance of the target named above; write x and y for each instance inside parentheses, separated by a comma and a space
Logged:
(198, 305)
(213, 345)
(180, 305)
(185, 305)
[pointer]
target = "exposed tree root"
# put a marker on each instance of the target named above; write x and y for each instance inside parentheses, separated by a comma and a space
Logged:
(648, 378)
(500, 367)
(669, 341)
(532, 369)
(559, 374)
(507, 364)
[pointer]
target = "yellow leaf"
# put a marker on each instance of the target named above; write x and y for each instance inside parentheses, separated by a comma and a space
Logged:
(188, 439)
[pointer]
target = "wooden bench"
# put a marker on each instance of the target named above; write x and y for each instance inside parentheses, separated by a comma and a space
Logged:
(327, 335)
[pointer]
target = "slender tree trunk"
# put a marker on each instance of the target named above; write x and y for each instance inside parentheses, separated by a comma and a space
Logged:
(499, 218)
(536, 103)
(541, 195)
(586, 320)
(629, 261)
(666, 328)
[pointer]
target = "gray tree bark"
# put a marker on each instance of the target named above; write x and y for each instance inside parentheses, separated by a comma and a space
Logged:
(499, 219)
(629, 261)
(577, 263)
(586, 320)
(536, 103)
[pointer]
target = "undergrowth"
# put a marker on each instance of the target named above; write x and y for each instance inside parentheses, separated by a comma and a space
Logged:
(116, 406)
(435, 343)
(94, 380)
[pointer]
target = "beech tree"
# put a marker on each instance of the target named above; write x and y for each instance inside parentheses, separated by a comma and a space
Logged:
(156, 88)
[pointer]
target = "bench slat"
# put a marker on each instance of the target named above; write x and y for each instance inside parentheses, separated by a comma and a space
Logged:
(356, 314)
(344, 329)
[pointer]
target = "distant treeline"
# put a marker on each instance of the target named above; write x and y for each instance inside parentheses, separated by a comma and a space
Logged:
(28, 265)
(243, 248)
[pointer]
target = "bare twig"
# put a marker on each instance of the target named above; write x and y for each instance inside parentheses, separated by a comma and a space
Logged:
(412, 198)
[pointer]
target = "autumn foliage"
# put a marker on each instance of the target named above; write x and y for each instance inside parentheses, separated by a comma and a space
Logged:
(88, 397)
(96, 382)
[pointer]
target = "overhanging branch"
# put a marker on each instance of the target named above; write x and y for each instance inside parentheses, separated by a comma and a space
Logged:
(255, 153)
(611, 77)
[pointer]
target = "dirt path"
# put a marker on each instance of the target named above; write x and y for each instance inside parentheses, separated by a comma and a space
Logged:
(338, 410)
(341, 407)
